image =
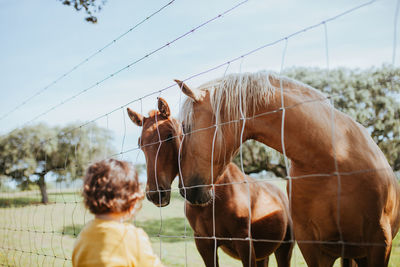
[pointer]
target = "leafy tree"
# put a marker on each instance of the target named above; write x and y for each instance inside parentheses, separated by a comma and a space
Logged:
(31, 154)
(258, 157)
(90, 7)
(370, 96)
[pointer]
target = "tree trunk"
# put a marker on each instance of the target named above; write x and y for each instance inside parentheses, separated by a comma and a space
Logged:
(42, 185)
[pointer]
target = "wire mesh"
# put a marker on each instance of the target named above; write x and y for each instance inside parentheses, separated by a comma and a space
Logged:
(34, 234)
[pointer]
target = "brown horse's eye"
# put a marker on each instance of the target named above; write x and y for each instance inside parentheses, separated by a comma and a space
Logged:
(169, 137)
(183, 127)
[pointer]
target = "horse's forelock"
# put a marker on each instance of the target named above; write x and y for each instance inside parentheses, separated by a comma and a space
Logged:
(153, 113)
(186, 114)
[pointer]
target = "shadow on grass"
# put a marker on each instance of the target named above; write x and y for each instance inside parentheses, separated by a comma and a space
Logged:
(72, 230)
(35, 199)
(171, 231)
(18, 202)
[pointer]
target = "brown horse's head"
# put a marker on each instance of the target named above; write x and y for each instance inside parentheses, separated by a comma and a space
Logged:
(159, 141)
(205, 153)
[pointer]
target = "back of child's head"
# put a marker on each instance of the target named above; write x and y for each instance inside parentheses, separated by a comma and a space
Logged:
(111, 186)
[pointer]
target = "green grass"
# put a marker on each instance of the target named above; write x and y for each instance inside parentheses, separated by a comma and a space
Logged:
(32, 234)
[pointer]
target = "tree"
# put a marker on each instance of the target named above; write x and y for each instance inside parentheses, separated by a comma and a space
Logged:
(258, 157)
(30, 154)
(90, 7)
(370, 96)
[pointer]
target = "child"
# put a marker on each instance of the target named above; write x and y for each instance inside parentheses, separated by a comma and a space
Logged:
(111, 192)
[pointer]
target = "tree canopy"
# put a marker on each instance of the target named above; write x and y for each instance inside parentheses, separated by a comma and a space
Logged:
(89, 6)
(28, 155)
(370, 96)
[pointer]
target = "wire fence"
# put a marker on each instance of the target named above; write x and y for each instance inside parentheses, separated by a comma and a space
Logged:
(84, 61)
(33, 234)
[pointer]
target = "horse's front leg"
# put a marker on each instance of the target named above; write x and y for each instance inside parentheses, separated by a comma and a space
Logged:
(379, 255)
(263, 263)
(246, 252)
(381, 235)
(361, 262)
(207, 250)
(312, 252)
(314, 256)
(283, 253)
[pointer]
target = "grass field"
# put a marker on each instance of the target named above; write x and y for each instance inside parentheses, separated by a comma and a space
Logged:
(32, 234)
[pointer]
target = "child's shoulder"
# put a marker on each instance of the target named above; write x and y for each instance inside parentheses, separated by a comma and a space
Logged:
(100, 226)
(113, 228)
(136, 232)
(133, 229)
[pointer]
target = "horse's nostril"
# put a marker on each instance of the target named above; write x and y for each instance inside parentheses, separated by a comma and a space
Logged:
(196, 195)
(162, 194)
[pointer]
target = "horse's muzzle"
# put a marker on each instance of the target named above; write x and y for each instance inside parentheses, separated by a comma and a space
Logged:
(159, 198)
(197, 195)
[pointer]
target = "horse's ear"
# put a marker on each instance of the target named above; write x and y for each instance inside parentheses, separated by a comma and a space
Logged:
(193, 94)
(135, 117)
(163, 107)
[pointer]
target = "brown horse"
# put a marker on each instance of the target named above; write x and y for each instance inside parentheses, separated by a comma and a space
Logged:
(344, 196)
(269, 206)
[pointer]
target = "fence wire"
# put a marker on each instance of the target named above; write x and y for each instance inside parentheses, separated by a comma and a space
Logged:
(84, 61)
(34, 234)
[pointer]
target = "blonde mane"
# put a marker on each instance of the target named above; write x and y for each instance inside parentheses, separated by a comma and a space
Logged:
(152, 113)
(241, 94)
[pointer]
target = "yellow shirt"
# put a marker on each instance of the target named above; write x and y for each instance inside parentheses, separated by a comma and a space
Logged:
(111, 243)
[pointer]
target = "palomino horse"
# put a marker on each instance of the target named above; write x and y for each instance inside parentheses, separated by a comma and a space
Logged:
(269, 206)
(344, 195)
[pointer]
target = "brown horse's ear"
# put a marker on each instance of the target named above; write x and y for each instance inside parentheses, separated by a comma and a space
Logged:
(193, 94)
(163, 107)
(135, 117)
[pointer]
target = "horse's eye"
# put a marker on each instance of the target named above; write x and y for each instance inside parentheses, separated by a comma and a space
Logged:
(169, 137)
(183, 127)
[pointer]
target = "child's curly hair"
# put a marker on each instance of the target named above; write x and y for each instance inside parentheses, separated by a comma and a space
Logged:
(111, 186)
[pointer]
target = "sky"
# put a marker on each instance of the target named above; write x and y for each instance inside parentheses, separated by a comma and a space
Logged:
(41, 40)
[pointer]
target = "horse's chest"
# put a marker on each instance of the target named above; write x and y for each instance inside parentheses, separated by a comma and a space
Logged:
(224, 221)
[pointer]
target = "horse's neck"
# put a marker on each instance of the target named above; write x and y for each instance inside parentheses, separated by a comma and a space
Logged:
(307, 128)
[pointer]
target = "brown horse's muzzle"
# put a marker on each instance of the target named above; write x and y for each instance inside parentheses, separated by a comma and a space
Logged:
(160, 197)
(196, 195)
